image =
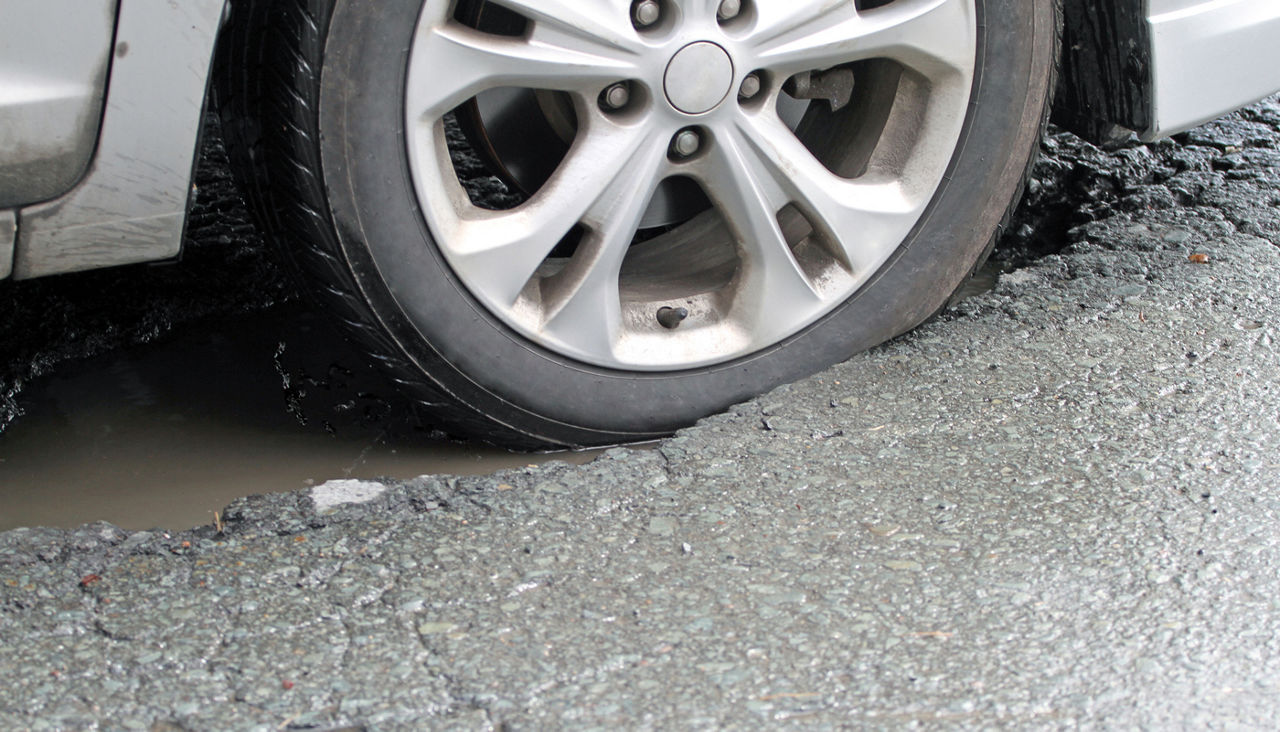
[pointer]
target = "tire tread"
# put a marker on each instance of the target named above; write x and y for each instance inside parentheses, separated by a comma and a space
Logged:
(268, 88)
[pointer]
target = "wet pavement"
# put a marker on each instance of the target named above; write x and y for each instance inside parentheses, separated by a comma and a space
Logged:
(167, 433)
(1054, 506)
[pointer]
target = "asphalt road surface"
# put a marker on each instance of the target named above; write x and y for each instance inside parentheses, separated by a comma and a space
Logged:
(1054, 506)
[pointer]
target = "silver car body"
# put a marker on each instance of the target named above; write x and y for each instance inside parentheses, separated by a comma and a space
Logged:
(1210, 57)
(101, 105)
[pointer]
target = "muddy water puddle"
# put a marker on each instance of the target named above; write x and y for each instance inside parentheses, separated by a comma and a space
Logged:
(163, 435)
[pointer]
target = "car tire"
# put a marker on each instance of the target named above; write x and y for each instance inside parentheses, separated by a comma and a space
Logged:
(316, 97)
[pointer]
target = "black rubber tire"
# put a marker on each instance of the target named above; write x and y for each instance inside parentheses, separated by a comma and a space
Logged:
(311, 98)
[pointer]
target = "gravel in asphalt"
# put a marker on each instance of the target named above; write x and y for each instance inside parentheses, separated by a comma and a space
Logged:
(1054, 506)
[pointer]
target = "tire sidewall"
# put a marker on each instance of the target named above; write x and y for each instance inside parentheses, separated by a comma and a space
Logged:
(465, 351)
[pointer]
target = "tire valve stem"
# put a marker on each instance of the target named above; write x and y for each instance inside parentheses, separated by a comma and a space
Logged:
(671, 318)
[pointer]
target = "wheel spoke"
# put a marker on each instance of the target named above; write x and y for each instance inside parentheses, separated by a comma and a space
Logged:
(863, 219)
(452, 63)
(603, 25)
(750, 192)
(776, 22)
(499, 252)
(584, 307)
(933, 37)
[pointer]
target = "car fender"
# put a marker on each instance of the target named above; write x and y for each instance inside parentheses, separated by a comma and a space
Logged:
(131, 205)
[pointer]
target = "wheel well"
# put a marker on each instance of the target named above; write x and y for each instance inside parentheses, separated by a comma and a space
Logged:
(1106, 78)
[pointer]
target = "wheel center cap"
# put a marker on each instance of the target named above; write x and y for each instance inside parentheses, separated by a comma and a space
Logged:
(699, 78)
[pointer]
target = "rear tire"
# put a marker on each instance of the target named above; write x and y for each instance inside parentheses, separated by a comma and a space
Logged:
(313, 104)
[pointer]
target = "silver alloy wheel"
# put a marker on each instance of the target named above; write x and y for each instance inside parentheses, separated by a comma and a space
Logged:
(793, 232)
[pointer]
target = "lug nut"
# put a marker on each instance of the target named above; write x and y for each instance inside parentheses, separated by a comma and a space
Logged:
(750, 86)
(617, 96)
(646, 13)
(686, 144)
(729, 9)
